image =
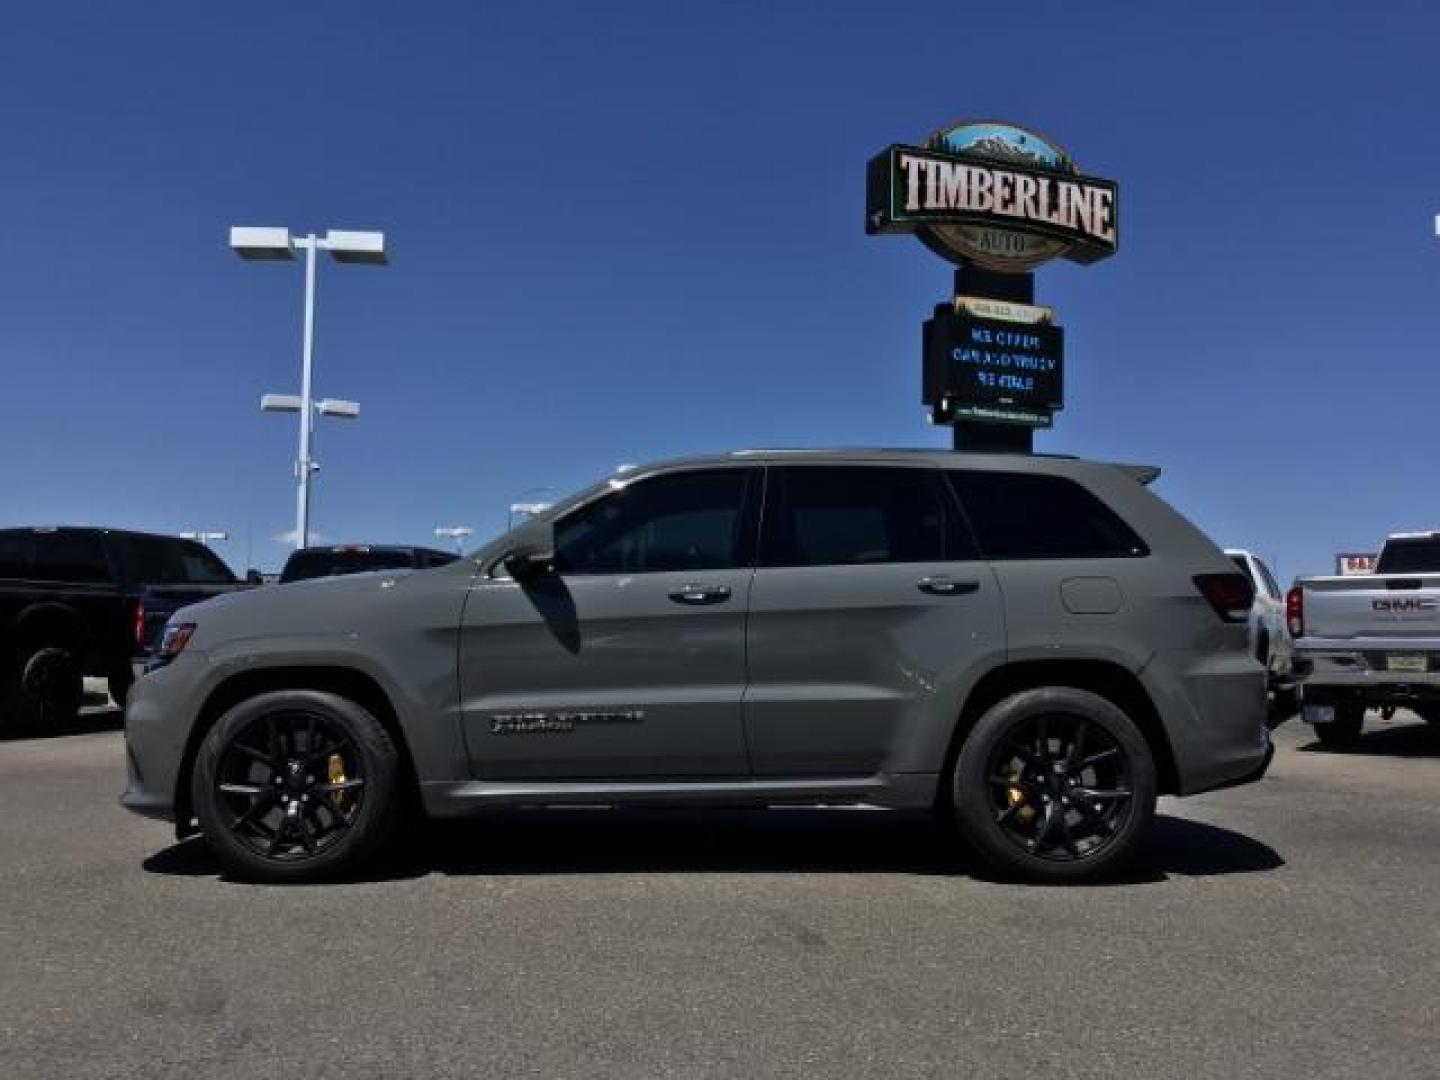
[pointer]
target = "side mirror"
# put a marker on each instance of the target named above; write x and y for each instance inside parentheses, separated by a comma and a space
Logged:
(528, 564)
(254, 577)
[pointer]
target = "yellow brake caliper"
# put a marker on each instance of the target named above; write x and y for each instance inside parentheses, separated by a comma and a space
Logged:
(1015, 795)
(337, 776)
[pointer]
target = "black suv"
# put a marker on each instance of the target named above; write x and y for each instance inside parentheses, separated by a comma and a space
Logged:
(88, 601)
(314, 562)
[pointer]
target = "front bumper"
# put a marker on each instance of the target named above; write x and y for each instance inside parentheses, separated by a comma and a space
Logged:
(155, 731)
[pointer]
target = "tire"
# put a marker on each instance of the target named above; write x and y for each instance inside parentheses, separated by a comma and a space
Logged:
(275, 822)
(46, 687)
(119, 687)
(1342, 733)
(1000, 785)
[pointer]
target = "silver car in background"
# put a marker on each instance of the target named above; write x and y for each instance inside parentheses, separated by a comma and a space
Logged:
(1033, 647)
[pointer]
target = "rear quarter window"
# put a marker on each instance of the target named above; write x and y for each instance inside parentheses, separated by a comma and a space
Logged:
(1033, 516)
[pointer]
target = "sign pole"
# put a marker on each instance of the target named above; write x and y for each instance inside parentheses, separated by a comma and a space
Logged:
(977, 435)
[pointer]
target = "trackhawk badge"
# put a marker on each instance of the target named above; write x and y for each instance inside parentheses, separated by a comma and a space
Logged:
(563, 723)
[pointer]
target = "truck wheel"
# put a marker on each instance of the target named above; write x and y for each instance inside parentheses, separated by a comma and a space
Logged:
(1055, 785)
(295, 786)
(119, 687)
(1343, 732)
(47, 687)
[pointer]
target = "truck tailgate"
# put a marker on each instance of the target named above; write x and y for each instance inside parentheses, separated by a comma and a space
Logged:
(1372, 606)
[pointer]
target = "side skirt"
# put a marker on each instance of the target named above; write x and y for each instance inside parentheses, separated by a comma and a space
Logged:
(892, 791)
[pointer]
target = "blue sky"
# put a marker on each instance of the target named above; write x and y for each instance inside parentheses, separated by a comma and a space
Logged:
(623, 231)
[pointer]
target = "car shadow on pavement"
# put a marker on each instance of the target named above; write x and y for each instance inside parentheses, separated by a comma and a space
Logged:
(1418, 740)
(805, 841)
(104, 717)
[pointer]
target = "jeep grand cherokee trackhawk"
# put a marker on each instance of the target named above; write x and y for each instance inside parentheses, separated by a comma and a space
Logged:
(1035, 647)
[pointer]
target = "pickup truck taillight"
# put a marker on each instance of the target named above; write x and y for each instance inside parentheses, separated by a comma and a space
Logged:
(1295, 611)
(1229, 594)
(140, 624)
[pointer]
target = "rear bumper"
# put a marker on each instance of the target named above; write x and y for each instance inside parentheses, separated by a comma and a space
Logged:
(1214, 709)
(1360, 671)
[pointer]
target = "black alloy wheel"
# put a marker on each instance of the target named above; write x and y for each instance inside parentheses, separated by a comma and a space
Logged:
(1060, 786)
(48, 687)
(295, 786)
(1055, 784)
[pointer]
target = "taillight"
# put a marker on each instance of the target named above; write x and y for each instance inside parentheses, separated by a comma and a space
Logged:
(1295, 611)
(1229, 594)
(140, 623)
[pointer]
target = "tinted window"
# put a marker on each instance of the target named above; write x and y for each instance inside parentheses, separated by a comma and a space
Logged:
(304, 565)
(1025, 516)
(159, 560)
(841, 516)
(71, 555)
(685, 521)
(1417, 555)
(17, 554)
(1243, 565)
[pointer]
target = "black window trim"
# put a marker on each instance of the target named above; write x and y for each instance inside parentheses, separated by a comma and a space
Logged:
(750, 512)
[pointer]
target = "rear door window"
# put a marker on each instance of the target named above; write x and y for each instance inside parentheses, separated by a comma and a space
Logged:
(820, 515)
(1033, 516)
(17, 554)
(158, 560)
(71, 555)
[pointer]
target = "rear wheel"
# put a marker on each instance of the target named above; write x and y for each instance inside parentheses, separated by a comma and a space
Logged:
(45, 686)
(1055, 785)
(1344, 730)
(296, 785)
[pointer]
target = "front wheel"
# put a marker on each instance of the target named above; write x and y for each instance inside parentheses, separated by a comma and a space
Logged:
(1055, 785)
(295, 786)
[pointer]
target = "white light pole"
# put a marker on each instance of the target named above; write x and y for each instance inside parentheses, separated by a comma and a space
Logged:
(269, 244)
(526, 509)
(204, 535)
(457, 533)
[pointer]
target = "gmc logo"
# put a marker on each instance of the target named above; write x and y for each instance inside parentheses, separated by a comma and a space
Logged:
(1400, 607)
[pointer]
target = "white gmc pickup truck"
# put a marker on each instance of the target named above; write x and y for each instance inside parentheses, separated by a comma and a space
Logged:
(1370, 640)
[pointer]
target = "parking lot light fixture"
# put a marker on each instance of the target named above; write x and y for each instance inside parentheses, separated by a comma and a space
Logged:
(276, 243)
(204, 535)
(456, 533)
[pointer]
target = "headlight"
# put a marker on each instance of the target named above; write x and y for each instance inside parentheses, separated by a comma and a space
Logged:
(173, 641)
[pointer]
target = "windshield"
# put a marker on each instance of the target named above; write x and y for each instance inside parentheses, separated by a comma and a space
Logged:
(1411, 555)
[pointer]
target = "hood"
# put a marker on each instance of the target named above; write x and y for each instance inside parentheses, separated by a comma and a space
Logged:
(318, 605)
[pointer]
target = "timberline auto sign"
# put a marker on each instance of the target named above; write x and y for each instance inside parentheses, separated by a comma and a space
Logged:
(994, 194)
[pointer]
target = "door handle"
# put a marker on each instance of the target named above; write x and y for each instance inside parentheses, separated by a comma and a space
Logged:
(701, 594)
(946, 586)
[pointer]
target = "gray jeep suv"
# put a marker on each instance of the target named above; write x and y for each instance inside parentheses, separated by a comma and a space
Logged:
(1034, 647)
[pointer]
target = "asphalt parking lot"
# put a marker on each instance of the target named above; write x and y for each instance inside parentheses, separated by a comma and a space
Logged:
(1284, 929)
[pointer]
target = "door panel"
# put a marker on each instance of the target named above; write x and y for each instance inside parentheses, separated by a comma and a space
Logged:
(628, 660)
(845, 661)
(869, 599)
(628, 681)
